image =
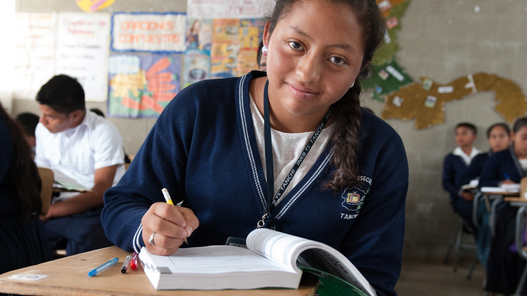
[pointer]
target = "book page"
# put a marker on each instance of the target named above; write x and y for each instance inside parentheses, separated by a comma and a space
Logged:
(212, 259)
(286, 249)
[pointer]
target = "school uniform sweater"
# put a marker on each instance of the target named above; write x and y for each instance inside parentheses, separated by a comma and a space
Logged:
(454, 169)
(204, 151)
(504, 267)
(475, 168)
(499, 164)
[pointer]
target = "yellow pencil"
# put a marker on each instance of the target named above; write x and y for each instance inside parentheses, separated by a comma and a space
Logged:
(169, 201)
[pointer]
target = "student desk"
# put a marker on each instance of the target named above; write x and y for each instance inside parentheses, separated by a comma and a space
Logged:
(499, 196)
(69, 276)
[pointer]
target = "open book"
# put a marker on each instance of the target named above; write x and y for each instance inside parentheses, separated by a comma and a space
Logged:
(270, 260)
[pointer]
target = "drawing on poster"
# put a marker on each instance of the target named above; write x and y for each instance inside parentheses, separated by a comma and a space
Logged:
(94, 5)
(142, 85)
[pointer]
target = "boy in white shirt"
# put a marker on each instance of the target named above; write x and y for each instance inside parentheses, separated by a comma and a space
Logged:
(86, 148)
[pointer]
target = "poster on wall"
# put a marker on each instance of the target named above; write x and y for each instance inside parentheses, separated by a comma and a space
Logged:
(229, 8)
(34, 54)
(197, 56)
(94, 5)
(82, 50)
(142, 85)
(234, 46)
(150, 32)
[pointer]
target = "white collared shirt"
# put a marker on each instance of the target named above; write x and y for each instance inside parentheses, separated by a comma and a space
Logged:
(466, 158)
(79, 151)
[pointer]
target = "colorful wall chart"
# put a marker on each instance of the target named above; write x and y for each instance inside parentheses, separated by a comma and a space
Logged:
(142, 85)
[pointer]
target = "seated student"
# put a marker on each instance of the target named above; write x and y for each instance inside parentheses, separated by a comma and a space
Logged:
(455, 167)
(22, 236)
(506, 167)
(29, 122)
(85, 147)
(208, 149)
(498, 136)
(100, 113)
(499, 139)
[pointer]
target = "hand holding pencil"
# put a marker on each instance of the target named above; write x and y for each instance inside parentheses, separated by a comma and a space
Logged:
(166, 227)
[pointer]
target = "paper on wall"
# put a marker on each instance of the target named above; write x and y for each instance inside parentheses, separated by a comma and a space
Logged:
(229, 8)
(82, 50)
(151, 32)
(34, 54)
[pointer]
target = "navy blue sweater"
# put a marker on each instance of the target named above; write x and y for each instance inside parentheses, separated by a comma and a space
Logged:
(475, 168)
(203, 150)
(499, 164)
(454, 169)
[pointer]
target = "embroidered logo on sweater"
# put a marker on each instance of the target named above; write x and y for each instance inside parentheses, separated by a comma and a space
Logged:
(353, 198)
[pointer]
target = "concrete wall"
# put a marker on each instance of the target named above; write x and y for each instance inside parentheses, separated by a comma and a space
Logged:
(442, 39)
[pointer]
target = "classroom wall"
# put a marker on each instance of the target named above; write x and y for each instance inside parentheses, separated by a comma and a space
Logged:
(441, 39)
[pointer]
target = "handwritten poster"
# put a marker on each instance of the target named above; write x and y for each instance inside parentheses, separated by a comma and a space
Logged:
(229, 8)
(152, 32)
(82, 50)
(34, 54)
(142, 85)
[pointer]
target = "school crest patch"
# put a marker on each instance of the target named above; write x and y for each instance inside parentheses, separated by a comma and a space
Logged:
(353, 198)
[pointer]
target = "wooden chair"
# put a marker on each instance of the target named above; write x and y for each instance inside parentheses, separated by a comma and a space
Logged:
(46, 192)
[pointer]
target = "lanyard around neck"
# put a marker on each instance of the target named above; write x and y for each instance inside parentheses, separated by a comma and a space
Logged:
(269, 157)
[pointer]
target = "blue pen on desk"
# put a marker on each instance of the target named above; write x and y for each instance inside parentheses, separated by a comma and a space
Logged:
(506, 176)
(103, 267)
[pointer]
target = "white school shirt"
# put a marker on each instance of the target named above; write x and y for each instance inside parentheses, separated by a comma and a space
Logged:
(79, 151)
(287, 147)
(466, 158)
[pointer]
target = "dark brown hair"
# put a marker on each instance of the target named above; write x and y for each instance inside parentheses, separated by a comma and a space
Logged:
(26, 180)
(347, 111)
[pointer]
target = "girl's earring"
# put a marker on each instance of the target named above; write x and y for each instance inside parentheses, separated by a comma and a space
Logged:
(353, 84)
(264, 50)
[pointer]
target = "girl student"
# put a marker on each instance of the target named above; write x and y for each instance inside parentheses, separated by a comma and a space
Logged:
(218, 141)
(504, 267)
(498, 136)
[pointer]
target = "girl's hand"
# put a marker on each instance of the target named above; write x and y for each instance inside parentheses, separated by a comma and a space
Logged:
(171, 225)
(507, 182)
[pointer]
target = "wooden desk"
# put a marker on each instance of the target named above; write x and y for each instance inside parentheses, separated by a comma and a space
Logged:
(69, 276)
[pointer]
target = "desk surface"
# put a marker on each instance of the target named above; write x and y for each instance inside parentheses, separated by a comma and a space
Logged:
(69, 276)
(515, 199)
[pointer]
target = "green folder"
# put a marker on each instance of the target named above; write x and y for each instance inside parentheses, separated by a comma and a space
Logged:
(330, 285)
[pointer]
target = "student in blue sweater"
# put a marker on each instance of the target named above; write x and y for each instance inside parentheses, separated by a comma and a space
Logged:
(498, 136)
(229, 149)
(455, 167)
(499, 139)
(506, 167)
